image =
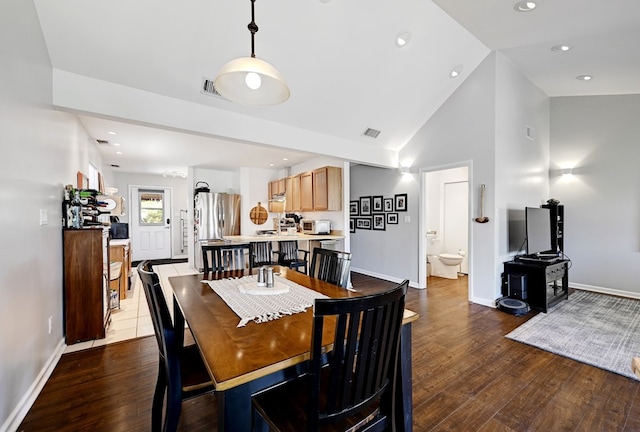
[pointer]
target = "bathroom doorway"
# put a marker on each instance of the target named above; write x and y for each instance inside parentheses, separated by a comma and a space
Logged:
(446, 217)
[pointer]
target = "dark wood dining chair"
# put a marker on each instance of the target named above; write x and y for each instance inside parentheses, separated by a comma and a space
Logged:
(181, 370)
(261, 253)
(223, 258)
(331, 266)
(289, 255)
(354, 391)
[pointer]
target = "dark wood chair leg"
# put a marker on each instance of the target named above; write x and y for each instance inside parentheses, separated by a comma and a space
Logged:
(174, 406)
(158, 398)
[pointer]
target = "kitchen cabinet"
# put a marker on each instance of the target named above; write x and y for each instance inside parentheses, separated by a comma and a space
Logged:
(327, 189)
(120, 251)
(87, 311)
(292, 193)
(306, 191)
(276, 187)
(317, 190)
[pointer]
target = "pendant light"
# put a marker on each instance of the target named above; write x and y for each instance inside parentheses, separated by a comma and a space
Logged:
(249, 80)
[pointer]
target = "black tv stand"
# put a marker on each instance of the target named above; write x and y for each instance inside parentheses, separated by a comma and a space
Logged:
(540, 282)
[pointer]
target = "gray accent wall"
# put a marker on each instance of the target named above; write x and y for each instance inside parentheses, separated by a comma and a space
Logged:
(599, 137)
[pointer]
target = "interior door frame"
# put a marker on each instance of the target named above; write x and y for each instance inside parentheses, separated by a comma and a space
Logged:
(133, 224)
(422, 246)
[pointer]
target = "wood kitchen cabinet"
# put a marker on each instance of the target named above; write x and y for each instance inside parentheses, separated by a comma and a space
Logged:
(292, 193)
(306, 191)
(87, 311)
(317, 190)
(327, 189)
(120, 251)
(276, 187)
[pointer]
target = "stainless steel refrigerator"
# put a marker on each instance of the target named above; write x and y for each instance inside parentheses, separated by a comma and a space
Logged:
(215, 215)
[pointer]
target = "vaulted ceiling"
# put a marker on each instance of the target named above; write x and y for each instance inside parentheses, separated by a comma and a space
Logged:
(137, 68)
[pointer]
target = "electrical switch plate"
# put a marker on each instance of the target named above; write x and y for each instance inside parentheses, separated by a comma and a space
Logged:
(407, 219)
(44, 218)
(50, 324)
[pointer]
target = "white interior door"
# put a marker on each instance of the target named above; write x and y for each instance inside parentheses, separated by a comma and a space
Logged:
(150, 223)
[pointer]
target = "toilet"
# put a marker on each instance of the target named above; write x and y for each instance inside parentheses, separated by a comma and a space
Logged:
(445, 265)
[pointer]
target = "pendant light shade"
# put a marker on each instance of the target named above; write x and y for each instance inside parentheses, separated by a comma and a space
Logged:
(251, 81)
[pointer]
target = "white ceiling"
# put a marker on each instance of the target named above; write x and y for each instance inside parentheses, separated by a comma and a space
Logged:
(338, 58)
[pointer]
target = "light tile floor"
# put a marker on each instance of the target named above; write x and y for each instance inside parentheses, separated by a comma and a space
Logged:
(132, 320)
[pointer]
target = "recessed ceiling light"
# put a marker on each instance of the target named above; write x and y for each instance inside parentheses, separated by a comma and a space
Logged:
(285, 159)
(456, 71)
(525, 6)
(116, 144)
(560, 48)
(403, 38)
(325, 1)
(271, 165)
(112, 133)
(118, 152)
(584, 77)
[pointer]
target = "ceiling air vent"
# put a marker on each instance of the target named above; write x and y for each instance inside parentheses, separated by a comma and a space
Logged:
(115, 166)
(371, 133)
(207, 88)
(103, 142)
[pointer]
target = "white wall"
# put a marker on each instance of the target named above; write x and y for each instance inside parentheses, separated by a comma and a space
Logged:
(598, 137)
(42, 149)
(462, 132)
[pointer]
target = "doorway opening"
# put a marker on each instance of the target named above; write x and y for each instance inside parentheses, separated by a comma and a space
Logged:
(445, 249)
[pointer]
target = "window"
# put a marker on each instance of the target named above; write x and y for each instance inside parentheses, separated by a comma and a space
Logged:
(151, 207)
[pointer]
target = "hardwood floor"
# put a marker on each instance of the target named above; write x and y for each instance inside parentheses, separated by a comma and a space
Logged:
(466, 377)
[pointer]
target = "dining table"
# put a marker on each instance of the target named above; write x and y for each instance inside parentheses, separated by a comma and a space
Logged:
(243, 360)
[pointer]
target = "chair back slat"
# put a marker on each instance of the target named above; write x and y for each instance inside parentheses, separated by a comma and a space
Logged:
(364, 358)
(331, 266)
(288, 250)
(223, 258)
(261, 253)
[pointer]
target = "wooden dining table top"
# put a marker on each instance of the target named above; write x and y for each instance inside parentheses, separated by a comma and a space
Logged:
(237, 355)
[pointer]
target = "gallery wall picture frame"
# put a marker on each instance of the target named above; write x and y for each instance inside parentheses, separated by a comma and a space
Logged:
(400, 202)
(379, 222)
(354, 208)
(365, 206)
(376, 206)
(363, 223)
(352, 225)
(388, 204)
(392, 218)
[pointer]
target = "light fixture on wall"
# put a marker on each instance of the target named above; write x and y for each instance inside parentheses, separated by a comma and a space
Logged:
(567, 171)
(405, 170)
(249, 80)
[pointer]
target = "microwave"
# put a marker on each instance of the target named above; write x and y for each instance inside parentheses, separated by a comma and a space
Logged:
(315, 226)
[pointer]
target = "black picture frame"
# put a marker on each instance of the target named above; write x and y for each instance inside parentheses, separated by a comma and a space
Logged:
(352, 225)
(354, 208)
(392, 218)
(365, 206)
(400, 201)
(388, 204)
(376, 205)
(378, 222)
(363, 223)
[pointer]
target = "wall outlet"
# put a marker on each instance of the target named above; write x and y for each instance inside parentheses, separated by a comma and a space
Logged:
(50, 324)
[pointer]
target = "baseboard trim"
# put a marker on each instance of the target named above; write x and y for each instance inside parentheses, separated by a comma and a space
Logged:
(26, 402)
(603, 290)
(412, 284)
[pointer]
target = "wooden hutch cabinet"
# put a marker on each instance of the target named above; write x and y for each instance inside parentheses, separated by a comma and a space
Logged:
(87, 311)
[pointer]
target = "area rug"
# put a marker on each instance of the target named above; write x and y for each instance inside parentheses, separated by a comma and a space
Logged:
(597, 329)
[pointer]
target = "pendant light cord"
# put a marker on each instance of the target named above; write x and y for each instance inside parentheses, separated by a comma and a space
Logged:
(253, 28)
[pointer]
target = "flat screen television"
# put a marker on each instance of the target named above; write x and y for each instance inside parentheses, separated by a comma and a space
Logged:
(538, 232)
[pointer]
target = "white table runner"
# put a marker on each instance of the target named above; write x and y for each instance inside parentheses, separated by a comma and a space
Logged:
(263, 308)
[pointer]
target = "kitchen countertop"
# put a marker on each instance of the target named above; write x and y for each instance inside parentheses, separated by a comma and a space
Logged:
(239, 239)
